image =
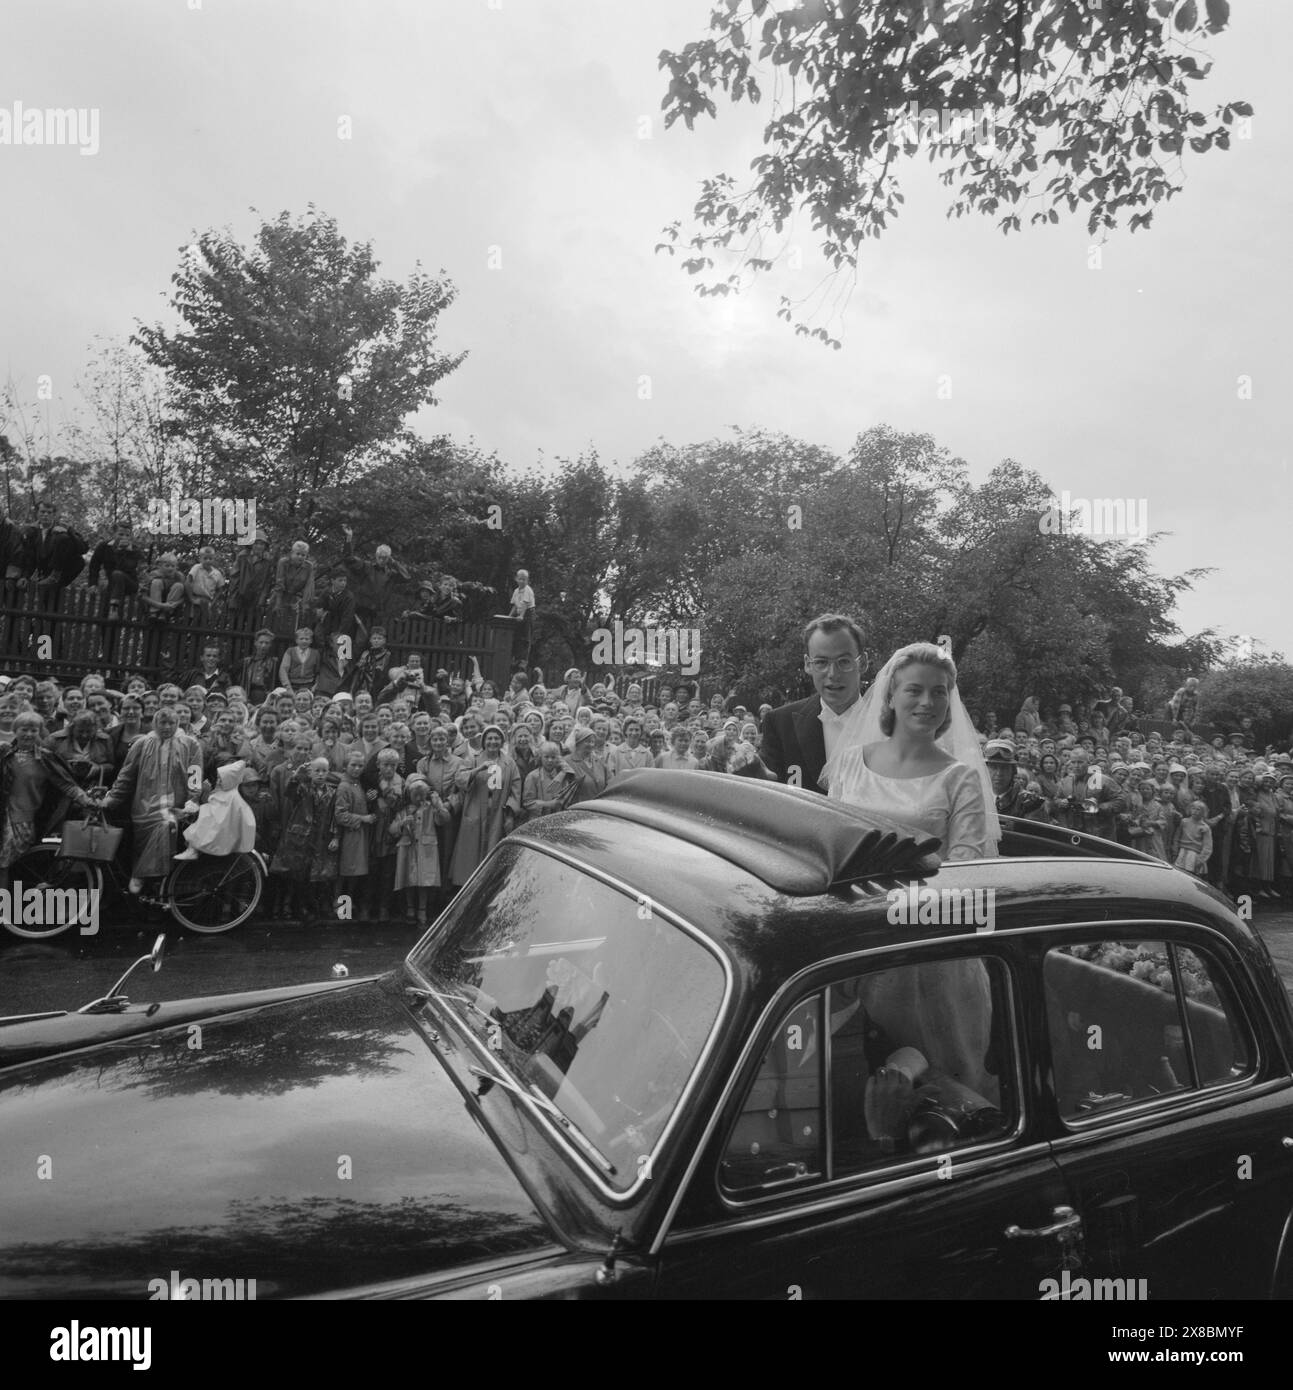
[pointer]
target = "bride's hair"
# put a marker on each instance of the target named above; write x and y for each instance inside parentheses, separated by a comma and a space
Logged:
(918, 654)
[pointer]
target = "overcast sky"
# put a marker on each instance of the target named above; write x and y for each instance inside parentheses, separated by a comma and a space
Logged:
(517, 125)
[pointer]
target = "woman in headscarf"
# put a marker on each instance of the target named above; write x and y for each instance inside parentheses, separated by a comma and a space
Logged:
(491, 790)
(160, 779)
(591, 775)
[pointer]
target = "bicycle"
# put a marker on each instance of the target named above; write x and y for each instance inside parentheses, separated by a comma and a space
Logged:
(210, 894)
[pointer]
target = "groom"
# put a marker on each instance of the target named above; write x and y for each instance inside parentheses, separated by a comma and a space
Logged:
(798, 738)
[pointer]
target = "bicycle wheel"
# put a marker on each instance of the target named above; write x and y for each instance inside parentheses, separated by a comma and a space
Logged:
(42, 868)
(215, 893)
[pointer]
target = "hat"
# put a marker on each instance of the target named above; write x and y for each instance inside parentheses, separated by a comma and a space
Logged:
(1237, 734)
(1175, 767)
(573, 673)
(999, 750)
(428, 585)
(1069, 708)
(259, 535)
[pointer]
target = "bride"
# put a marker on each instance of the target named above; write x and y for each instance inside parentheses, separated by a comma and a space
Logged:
(916, 761)
(900, 765)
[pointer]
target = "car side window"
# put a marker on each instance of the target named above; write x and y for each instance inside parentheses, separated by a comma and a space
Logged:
(921, 1062)
(908, 1061)
(779, 1136)
(1133, 1020)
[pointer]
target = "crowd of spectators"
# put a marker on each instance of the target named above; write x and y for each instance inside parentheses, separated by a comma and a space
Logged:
(1218, 806)
(390, 792)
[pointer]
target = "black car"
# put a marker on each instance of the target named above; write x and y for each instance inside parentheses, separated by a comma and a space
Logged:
(699, 1037)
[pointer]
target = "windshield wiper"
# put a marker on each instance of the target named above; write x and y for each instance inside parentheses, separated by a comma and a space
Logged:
(552, 1110)
(421, 993)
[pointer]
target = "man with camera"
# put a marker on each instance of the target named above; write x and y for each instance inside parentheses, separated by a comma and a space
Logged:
(410, 680)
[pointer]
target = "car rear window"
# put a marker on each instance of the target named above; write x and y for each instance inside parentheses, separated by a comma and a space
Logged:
(1134, 1020)
(583, 993)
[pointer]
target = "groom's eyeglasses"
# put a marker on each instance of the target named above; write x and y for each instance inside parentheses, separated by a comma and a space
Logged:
(819, 665)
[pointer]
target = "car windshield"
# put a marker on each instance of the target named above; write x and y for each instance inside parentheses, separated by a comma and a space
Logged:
(583, 994)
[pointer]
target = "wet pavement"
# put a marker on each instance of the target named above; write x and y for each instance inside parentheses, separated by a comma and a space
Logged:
(70, 970)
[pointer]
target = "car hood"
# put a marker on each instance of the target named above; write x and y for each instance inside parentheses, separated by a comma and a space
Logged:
(312, 1144)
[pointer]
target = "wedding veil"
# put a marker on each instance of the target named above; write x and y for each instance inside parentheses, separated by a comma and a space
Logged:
(960, 739)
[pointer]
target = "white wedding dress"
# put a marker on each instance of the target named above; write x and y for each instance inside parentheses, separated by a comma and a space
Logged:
(944, 1008)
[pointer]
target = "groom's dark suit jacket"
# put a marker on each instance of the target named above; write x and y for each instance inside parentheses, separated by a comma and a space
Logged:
(792, 737)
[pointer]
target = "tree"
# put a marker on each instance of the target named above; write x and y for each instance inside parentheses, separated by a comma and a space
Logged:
(900, 539)
(295, 363)
(1258, 690)
(1034, 109)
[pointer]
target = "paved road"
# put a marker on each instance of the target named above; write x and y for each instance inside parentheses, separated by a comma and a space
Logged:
(71, 970)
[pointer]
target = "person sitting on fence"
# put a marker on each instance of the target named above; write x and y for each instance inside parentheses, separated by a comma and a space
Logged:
(258, 673)
(291, 600)
(299, 668)
(114, 568)
(165, 594)
(371, 672)
(425, 606)
(53, 556)
(377, 581)
(203, 585)
(250, 580)
(336, 612)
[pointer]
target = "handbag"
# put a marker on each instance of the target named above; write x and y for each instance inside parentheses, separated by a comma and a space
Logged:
(91, 838)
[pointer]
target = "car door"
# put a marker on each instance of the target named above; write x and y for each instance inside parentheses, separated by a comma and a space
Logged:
(864, 1150)
(1172, 1108)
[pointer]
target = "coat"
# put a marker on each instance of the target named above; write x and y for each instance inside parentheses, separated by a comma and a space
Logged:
(417, 855)
(483, 812)
(352, 812)
(154, 794)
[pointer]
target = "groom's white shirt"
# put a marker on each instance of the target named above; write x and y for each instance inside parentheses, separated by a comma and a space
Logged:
(841, 730)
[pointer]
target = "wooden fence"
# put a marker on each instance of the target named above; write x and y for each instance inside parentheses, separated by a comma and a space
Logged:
(79, 638)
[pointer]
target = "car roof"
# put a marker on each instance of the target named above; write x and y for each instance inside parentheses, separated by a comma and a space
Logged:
(732, 860)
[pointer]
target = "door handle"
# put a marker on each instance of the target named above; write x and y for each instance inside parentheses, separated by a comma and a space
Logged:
(1067, 1222)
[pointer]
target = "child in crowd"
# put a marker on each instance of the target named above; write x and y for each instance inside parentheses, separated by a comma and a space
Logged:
(385, 801)
(308, 845)
(417, 858)
(354, 819)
